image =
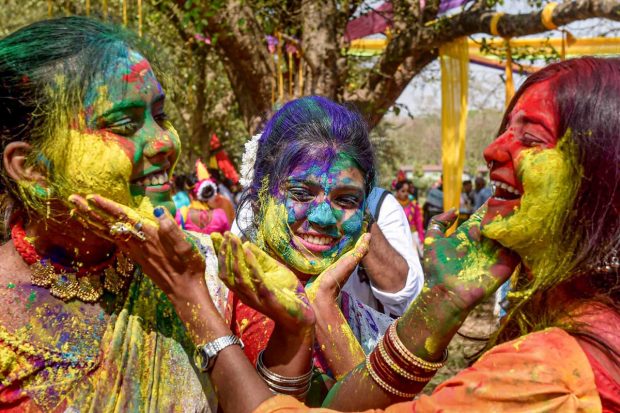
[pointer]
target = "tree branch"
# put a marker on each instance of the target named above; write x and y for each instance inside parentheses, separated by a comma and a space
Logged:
(406, 55)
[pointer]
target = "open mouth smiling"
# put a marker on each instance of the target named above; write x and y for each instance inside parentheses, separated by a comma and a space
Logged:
(315, 242)
(157, 181)
(504, 192)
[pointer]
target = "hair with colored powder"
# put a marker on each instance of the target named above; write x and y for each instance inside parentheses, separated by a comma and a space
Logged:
(47, 70)
(304, 129)
(587, 109)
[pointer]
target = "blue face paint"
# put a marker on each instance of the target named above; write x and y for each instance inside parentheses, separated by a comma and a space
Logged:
(316, 215)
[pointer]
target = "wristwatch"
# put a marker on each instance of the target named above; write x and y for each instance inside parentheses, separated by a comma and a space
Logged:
(205, 354)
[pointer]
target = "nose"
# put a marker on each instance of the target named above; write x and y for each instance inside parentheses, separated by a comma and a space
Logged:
(161, 141)
(322, 215)
(498, 151)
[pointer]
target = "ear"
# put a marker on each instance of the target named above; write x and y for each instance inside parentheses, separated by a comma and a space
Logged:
(14, 159)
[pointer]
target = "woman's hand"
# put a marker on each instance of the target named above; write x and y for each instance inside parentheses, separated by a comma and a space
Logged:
(327, 285)
(466, 264)
(166, 254)
(263, 283)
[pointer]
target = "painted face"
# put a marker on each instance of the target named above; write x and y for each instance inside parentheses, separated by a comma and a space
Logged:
(125, 149)
(534, 175)
(316, 215)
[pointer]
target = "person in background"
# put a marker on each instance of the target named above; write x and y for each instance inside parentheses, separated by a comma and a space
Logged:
(481, 193)
(434, 203)
(467, 201)
(412, 211)
(202, 215)
(180, 197)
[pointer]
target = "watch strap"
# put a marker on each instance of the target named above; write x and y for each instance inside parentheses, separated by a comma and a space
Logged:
(205, 354)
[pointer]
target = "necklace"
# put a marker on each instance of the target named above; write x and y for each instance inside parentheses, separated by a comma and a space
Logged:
(67, 283)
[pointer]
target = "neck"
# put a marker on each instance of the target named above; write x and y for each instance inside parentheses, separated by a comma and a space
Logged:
(68, 242)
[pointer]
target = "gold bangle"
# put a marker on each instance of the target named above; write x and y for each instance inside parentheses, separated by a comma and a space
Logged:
(397, 368)
(384, 385)
(412, 358)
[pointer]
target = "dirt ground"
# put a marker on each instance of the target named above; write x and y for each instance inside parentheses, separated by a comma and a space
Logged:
(480, 323)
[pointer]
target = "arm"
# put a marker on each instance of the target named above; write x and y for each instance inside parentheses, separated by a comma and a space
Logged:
(454, 287)
(393, 255)
(386, 268)
(338, 344)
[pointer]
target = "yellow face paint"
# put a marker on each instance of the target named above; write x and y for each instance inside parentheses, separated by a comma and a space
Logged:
(550, 178)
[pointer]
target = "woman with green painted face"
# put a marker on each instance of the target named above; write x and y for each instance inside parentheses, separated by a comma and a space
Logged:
(82, 328)
(553, 221)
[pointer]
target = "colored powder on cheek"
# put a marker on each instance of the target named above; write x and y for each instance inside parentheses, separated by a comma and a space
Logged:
(353, 226)
(92, 165)
(535, 229)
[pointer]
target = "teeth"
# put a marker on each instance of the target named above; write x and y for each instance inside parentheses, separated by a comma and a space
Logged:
(159, 178)
(316, 240)
(505, 186)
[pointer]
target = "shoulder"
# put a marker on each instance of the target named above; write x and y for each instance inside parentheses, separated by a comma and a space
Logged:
(541, 371)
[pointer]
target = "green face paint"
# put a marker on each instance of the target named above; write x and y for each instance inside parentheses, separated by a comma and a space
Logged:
(316, 215)
(124, 148)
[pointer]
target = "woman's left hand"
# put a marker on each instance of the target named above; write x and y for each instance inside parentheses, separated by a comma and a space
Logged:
(165, 253)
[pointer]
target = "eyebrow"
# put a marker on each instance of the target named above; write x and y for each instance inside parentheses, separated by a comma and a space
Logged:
(134, 103)
(314, 183)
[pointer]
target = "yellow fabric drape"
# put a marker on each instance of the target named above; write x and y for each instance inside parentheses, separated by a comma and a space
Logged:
(510, 84)
(454, 60)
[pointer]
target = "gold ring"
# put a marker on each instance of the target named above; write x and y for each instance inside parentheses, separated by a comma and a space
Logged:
(124, 228)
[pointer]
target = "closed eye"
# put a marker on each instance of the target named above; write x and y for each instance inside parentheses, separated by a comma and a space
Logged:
(123, 127)
(530, 140)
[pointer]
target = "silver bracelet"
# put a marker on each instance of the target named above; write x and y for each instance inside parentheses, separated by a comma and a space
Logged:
(296, 386)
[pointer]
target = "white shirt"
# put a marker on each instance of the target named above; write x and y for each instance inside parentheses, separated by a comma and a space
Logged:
(393, 223)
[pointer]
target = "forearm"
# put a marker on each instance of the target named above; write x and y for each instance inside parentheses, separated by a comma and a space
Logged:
(426, 330)
(289, 354)
(386, 268)
(340, 347)
(232, 371)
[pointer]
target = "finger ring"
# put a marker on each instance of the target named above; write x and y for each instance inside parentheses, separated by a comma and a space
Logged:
(138, 226)
(124, 228)
(119, 228)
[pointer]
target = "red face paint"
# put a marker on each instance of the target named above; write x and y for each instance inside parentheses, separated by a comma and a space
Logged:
(532, 123)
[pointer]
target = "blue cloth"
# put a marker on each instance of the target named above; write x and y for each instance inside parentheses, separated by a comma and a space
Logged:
(480, 197)
(181, 199)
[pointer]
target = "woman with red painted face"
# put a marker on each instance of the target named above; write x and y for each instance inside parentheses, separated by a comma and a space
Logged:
(553, 221)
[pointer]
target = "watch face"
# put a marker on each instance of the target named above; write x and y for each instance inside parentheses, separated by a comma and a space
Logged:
(201, 359)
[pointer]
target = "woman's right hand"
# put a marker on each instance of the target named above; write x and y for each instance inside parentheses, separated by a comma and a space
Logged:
(263, 283)
(466, 264)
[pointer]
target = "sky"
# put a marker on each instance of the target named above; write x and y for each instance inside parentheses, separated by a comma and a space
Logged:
(487, 91)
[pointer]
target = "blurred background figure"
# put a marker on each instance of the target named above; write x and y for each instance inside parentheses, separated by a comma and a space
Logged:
(481, 193)
(203, 214)
(179, 188)
(434, 202)
(412, 211)
(466, 207)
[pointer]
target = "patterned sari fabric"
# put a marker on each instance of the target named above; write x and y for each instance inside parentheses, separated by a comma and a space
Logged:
(546, 371)
(134, 356)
